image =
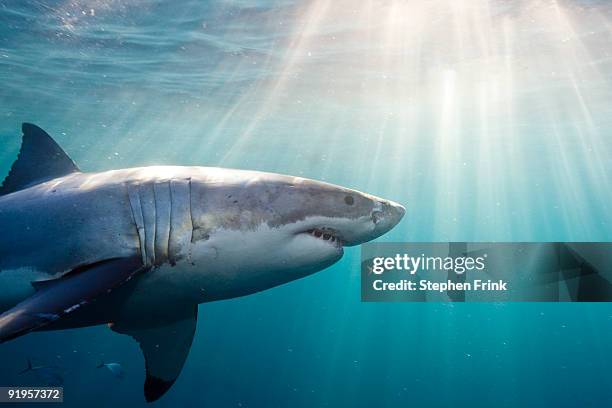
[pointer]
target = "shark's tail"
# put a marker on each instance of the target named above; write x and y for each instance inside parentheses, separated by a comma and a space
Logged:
(28, 368)
(100, 365)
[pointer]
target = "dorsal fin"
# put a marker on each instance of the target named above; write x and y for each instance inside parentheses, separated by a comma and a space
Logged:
(40, 159)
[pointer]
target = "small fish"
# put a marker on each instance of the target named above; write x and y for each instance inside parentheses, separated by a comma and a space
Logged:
(32, 367)
(49, 375)
(115, 368)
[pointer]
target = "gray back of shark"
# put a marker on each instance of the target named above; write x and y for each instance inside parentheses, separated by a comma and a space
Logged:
(140, 248)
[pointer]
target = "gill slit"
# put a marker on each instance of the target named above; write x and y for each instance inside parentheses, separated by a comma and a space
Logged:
(133, 195)
(170, 220)
(190, 213)
(154, 259)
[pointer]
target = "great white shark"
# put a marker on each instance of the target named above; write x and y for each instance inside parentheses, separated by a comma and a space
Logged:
(140, 248)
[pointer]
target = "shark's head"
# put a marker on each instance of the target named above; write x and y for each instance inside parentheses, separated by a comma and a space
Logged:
(281, 226)
(315, 212)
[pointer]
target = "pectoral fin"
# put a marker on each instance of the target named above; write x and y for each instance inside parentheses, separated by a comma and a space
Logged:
(59, 297)
(165, 350)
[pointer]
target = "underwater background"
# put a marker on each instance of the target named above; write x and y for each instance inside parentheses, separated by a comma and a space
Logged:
(489, 120)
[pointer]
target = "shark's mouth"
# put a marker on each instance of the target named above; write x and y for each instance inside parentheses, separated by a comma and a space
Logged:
(326, 234)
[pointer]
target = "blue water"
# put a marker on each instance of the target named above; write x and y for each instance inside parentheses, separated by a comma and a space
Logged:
(488, 120)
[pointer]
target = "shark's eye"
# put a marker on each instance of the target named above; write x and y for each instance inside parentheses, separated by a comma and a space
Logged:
(349, 200)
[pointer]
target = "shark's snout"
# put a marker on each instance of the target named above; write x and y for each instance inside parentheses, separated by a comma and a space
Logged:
(382, 217)
(387, 216)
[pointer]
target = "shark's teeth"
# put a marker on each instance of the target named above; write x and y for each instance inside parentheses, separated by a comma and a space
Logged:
(325, 235)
